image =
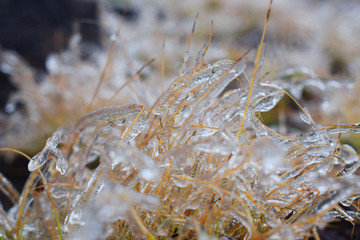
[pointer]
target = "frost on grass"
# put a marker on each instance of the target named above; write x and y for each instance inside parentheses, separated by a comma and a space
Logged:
(177, 169)
(182, 169)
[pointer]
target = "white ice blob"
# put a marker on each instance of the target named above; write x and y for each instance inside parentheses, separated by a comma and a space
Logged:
(271, 154)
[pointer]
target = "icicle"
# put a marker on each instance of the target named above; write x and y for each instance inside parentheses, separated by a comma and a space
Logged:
(50, 147)
(107, 114)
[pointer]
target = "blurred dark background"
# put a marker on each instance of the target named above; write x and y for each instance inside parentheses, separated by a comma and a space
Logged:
(34, 29)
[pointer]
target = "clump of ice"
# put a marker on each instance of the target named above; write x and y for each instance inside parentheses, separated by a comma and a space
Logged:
(150, 168)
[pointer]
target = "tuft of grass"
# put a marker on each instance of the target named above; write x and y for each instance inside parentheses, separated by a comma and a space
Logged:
(197, 163)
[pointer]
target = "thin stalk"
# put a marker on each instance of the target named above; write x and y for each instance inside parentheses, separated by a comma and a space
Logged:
(258, 55)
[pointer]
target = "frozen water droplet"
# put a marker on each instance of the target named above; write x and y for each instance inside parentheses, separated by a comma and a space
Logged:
(59, 192)
(349, 201)
(52, 143)
(61, 165)
(54, 140)
(160, 110)
(266, 97)
(348, 154)
(38, 160)
(305, 116)
(76, 217)
(179, 182)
